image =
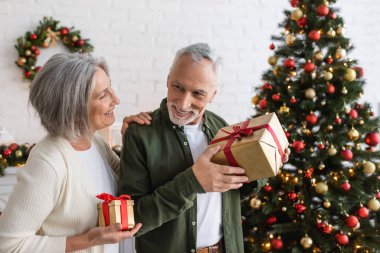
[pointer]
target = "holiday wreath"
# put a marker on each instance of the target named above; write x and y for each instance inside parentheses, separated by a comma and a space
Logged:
(48, 33)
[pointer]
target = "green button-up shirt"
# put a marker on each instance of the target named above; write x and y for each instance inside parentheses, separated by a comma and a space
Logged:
(156, 171)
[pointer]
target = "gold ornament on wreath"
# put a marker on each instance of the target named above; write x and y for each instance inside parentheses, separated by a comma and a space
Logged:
(48, 33)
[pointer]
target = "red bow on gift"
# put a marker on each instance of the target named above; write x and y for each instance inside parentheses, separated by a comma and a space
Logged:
(238, 133)
(123, 208)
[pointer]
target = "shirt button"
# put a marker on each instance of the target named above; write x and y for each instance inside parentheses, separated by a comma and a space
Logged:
(193, 250)
(185, 143)
(193, 223)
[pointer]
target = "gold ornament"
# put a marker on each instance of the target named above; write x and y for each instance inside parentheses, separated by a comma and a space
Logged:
(75, 38)
(321, 188)
(250, 239)
(296, 14)
(305, 130)
(266, 246)
(295, 180)
(318, 56)
(328, 75)
(284, 109)
(18, 153)
(340, 30)
(255, 99)
(350, 75)
(272, 60)
(284, 209)
(326, 204)
(368, 168)
(293, 73)
(310, 93)
(306, 242)
(21, 61)
(373, 204)
(28, 52)
(351, 172)
(331, 33)
(353, 134)
(321, 166)
(344, 91)
(340, 53)
(275, 70)
(290, 39)
(361, 122)
(329, 127)
(332, 151)
(255, 203)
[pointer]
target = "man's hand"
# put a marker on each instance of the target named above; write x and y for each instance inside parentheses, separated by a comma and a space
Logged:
(143, 118)
(217, 178)
(286, 155)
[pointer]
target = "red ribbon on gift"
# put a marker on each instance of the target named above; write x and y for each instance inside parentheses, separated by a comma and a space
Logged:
(123, 208)
(238, 133)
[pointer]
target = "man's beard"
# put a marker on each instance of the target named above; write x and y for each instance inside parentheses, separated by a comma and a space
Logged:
(182, 121)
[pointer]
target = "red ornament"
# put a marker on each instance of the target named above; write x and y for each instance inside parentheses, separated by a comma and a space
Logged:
(266, 86)
(300, 208)
(272, 46)
(27, 74)
(79, 43)
(271, 220)
(7, 152)
(341, 239)
(267, 188)
(309, 67)
(33, 48)
(377, 195)
(287, 134)
(359, 71)
(372, 139)
(363, 212)
(292, 196)
(277, 244)
(353, 114)
(293, 100)
(330, 88)
(359, 106)
(312, 119)
(289, 63)
(332, 15)
(302, 22)
(345, 186)
(327, 229)
(314, 35)
(329, 60)
(294, 3)
(64, 31)
(338, 120)
(38, 68)
(321, 146)
(33, 36)
(298, 146)
(346, 154)
(322, 10)
(13, 147)
(276, 97)
(37, 52)
(308, 173)
(263, 103)
(352, 221)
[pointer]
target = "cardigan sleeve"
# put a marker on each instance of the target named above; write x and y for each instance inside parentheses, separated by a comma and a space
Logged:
(34, 197)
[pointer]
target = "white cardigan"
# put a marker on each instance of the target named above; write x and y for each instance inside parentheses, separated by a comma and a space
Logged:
(52, 199)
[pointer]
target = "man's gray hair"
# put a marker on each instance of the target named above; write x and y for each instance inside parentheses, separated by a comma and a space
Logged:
(60, 93)
(199, 51)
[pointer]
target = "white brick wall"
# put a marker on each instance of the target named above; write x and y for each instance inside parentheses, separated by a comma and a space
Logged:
(139, 39)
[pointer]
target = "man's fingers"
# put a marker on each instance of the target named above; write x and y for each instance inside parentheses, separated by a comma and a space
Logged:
(130, 233)
(209, 153)
(231, 170)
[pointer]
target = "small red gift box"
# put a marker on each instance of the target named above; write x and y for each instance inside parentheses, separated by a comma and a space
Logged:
(116, 210)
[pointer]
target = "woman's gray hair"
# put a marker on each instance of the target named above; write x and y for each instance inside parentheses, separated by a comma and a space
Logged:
(60, 93)
(199, 51)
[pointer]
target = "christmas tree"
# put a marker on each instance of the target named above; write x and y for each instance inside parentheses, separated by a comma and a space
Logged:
(326, 198)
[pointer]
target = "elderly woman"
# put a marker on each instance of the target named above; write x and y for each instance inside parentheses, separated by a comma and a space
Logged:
(53, 205)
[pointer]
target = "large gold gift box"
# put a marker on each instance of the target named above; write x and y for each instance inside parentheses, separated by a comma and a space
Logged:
(119, 211)
(252, 145)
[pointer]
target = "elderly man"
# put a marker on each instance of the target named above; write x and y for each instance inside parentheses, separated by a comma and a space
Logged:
(186, 203)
